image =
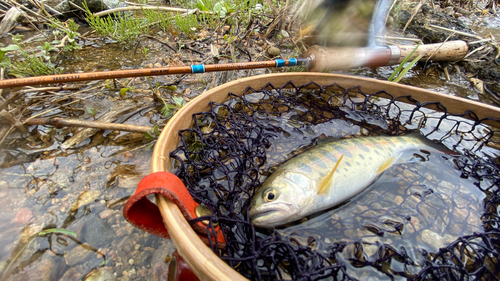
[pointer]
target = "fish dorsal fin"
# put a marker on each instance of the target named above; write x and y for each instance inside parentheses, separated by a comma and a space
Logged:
(325, 183)
(387, 164)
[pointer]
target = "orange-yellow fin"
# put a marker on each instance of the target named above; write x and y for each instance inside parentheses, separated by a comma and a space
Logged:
(325, 183)
(386, 164)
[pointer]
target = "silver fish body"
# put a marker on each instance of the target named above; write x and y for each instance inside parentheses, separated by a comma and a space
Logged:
(325, 176)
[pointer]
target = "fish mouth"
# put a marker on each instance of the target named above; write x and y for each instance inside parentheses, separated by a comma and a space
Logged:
(262, 216)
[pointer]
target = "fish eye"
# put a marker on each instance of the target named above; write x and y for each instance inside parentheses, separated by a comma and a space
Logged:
(269, 195)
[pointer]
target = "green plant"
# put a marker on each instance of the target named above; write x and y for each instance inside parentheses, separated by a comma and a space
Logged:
(57, 230)
(186, 24)
(400, 73)
(122, 28)
(92, 111)
(33, 63)
(5, 61)
(153, 134)
(168, 110)
(162, 20)
(71, 34)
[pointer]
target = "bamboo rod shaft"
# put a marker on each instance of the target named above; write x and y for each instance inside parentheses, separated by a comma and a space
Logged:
(317, 59)
(75, 77)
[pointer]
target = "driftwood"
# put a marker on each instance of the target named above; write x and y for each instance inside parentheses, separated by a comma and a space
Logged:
(9, 20)
(63, 122)
(113, 114)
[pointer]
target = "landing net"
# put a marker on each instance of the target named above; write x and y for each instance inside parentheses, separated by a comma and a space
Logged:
(235, 146)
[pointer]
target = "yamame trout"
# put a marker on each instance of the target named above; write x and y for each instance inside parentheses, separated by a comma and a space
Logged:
(327, 175)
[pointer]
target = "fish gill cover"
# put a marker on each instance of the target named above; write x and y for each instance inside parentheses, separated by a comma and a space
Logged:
(439, 223)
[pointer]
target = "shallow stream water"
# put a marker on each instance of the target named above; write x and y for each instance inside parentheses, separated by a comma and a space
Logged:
(83, 188)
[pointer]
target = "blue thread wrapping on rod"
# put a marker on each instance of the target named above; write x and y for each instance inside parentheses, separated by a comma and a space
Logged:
(197, 68)
(280, 63)
(292, 62)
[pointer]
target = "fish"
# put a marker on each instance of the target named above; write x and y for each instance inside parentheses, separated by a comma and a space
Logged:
(327, 175)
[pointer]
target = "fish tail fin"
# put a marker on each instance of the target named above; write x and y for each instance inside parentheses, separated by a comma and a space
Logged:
(428, 145)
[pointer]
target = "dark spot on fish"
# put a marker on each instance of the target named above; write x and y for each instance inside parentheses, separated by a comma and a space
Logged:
(376, 151)
(305, 168)
(357, 163)
(390, 142)
(344, 151)
(317, 161)
(361, 145)
(348, 164)
(362, 157)
(328, 155)
(345, 169)
(403, 140)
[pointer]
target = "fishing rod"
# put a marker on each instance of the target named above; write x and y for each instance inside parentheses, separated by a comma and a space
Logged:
(316, 59)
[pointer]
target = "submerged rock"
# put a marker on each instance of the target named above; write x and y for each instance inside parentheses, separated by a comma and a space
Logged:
(96, 232)
(93, 5)
(103, 274)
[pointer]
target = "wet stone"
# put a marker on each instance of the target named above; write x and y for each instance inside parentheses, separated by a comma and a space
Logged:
(85, 198)
(432, 239)
(103, 274)
(44, 270)
(96, 232)
(74, 273)
(161, 260)
(273, 52)
(77, 255)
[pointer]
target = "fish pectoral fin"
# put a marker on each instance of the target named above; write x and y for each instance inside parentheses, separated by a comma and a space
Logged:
(326, 181)
(387, 164)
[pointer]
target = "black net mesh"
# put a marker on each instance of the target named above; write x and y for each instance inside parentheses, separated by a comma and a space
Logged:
(235, 146)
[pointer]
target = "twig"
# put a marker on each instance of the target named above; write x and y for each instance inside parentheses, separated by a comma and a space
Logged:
(159, 41)
(50, 89)
(9, 100)
(61, 45)
(7, 116)
(476, 50)
(480, 41)
(414, 14)
(138, 8)
(446, 74)
(77, 7)
(63, 122)
(456, 31)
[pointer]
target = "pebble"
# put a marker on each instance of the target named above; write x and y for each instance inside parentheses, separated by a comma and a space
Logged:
(159, 260)
(44, 270)
(103, 274)
(77, 255)
(431, 239)
(85, 198)
(96, 232)
(106, 214)
(22, 216)
(273, 52)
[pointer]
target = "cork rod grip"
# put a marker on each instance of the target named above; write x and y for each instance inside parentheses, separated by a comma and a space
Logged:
(330, 59)
(447, 51)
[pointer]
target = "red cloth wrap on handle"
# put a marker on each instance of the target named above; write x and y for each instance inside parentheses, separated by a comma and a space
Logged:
(144, 214)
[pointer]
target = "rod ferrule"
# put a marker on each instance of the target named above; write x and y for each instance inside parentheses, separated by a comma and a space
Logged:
(395, 54)
(280, 63)
(292, 62)
(197, 68)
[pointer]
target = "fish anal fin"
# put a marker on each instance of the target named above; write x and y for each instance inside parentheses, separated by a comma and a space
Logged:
(386, 164)
(326, 181)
